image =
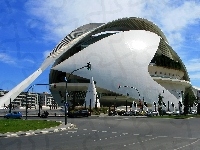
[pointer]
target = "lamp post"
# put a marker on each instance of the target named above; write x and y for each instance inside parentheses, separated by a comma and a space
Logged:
(131, 88)
(66, 81)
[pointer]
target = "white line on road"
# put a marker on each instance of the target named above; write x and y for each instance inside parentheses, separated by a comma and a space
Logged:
(177, 137)
(148, 135)
(187, 145)
(114, 132)
(72, 131)
(84, 129)
(136, 134)
(104, 131)
(162, 136)
(94, 130)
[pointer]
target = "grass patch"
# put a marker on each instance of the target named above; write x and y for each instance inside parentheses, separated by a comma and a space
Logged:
(15, 125)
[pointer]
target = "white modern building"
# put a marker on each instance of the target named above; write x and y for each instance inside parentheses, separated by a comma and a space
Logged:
(131, 52)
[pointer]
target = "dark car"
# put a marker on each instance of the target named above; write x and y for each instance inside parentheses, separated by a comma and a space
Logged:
(13, 115)
(128, 113)
(79, 113)
(112, 113)
(45, 114)
(121, 113)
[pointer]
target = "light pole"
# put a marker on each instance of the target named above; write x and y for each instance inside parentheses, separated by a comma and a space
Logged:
(131, 88)
(66, 81)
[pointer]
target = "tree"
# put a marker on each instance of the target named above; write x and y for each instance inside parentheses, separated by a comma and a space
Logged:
(189, 100)
(160, 103)
(186, 103)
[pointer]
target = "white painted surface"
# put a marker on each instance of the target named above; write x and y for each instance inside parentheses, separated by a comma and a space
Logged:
(122, 58)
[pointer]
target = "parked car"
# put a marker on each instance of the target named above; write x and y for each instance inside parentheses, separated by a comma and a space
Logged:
(45, 114)
(152, 113)
(121, 113)
(169, 113)
(112, 113)
(194, 112)
(128, 113)
(14, 115)
(79, 113)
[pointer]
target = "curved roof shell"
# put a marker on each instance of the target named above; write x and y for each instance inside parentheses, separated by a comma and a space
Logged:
(124, 24)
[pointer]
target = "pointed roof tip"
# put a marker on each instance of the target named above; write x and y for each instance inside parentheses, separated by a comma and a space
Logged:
(91, 80)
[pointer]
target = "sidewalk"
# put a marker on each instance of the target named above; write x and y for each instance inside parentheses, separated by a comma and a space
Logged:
(61, 127)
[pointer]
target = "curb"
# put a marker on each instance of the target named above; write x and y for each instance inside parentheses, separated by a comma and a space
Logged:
(39, 131)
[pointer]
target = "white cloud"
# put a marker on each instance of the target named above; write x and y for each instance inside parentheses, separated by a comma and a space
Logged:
(63, 16)
(29, 60)
(7, 59)
(11, 60)
(195, 76)
(46, 53)
(193, 65)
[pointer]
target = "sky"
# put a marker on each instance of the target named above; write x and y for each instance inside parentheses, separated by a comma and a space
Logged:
(30, 29)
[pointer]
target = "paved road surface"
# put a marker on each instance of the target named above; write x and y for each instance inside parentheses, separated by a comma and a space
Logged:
(102, 133)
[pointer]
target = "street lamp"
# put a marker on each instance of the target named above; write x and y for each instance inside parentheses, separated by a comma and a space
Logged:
(131, 88)
(66, 80)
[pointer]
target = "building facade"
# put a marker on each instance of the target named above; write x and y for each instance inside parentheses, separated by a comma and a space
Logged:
(131, 52)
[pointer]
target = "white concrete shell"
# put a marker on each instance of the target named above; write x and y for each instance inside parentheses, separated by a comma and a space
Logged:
(122, 58)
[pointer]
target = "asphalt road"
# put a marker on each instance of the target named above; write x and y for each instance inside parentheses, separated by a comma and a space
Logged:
(113, 133)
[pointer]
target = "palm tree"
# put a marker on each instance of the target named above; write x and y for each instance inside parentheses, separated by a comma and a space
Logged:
(160, 103)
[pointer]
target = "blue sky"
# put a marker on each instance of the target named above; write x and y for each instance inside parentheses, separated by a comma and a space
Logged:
(30, 29)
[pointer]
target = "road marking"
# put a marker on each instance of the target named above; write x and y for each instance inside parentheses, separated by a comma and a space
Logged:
(148, 135)
(100, 139)
(124, 145)
(104, 131)
(115, 136)
(193, 138)
(105, 138)
(114, 132)
(70, 136)
(94, 130)
(162, 136)
(124, 133)
(94, 140)
(187, 145)
(136, 134)
(125, 118)
(84, 129)
(72, 131)
(77, 135)
(177, 137)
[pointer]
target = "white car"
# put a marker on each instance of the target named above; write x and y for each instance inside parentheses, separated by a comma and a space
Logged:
(193, 112)
(169, 113)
